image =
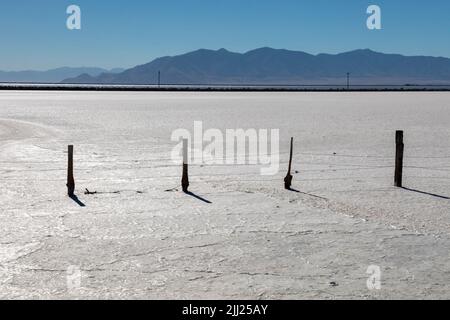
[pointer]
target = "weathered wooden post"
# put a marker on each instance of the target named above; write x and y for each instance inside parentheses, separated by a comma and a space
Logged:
(288, 179)
(70, 179)
(400, 147)
(185, 178)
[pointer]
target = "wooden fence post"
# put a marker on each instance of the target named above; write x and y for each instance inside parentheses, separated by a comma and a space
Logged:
(185, 178)
(70, 179)
(400, 147)
(288, 179)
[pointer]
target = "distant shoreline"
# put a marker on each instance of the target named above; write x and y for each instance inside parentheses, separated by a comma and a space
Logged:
(223, 88)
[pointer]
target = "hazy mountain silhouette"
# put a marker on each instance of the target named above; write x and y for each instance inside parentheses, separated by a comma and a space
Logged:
(51, 76)
(274, 66)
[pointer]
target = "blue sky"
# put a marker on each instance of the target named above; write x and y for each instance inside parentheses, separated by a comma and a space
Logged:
(120, 33)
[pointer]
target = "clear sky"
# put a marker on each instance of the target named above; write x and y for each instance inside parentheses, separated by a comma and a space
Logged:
(124, 33)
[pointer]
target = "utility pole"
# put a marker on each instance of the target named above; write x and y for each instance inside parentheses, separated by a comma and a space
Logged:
(159, 79)
(348, 80)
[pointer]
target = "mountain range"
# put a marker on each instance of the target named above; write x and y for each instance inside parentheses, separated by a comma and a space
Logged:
(265, 66)
(51, 76)
(277, 66)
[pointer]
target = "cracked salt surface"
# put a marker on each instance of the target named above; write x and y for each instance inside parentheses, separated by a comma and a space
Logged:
(255, 240)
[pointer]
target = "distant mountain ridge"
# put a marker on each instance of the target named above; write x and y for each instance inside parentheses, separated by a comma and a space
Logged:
(51, 76)
(278, 66)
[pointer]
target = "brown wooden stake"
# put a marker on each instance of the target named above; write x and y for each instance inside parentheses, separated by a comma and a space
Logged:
(288, 179)
(185, 178)
(70, 179)
(400, 147)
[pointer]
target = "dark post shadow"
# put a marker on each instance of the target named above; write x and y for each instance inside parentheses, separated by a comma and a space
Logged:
(427, 193)
(77, 201)
(308, 194)
(189, 193)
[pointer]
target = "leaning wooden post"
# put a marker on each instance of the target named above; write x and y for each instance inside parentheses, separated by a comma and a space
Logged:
(70, 179)
(185, 178)
(400, 147)
(288, 179)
